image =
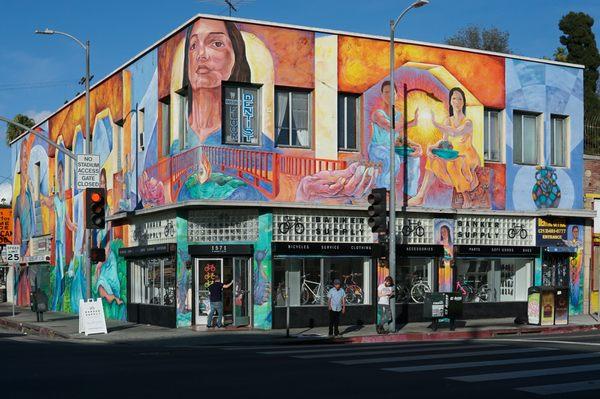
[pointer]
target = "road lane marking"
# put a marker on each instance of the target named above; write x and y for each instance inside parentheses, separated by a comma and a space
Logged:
(553, 389)
(544, 341)
(526, 373)
(387, 351)
(390, 359)
(342, 348)
(502, 362)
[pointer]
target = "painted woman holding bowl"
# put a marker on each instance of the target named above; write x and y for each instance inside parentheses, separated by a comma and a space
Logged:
(453, 159)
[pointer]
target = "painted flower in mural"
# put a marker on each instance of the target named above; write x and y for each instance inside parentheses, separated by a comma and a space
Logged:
(546, 192)
(350, 183)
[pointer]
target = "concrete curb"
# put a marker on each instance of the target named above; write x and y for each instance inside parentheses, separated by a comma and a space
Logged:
(29, 328)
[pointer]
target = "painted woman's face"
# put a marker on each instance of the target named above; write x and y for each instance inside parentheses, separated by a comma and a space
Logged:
(444, 234)
(457, 101)
(210, 53)
(385, 94)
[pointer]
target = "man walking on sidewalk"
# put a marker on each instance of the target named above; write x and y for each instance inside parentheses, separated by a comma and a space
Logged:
(337, 306)
(216, 301)
(384, 293)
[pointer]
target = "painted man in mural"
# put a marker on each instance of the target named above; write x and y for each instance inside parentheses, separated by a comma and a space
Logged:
(379, 148)
(57, 202)
(456, 164)
(24, 218)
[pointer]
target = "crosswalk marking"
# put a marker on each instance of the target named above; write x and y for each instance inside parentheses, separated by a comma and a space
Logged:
(387, 352)
(391, 359)
(553, 389)
(343, 348)
(503, 362)
(526, 373)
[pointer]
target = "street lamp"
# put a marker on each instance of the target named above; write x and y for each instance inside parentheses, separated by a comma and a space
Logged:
(392, 225)
(88, 137)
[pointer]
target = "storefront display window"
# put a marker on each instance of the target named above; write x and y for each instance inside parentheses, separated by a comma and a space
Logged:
(555, 270)
(310, 279)
(413, 279)
(153, 281)
(493, 280)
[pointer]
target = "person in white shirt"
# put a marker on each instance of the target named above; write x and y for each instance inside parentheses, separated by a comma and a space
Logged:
(384, 293)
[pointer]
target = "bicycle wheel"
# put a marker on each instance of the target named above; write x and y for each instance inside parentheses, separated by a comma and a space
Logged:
(511, 233)
(406, 230)
(419, 231)
(305, 296)
(283, 227)
(483, 293)
(299, 228)
(523, 234)
(350, 296)
(418, 291)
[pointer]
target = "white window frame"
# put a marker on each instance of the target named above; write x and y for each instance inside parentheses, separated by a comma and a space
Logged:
(257, 109)
(487, 132)
(165, 105)
(290, 108)
(357, 122)
(566, 139)
(539, 127)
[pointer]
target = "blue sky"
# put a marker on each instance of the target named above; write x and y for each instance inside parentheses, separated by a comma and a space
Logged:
(119, 29)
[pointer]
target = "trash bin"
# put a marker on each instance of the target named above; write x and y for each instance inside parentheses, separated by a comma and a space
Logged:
(561, 306)
(541, 305)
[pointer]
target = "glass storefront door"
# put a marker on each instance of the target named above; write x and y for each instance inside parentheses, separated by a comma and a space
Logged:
(236, 299)
(206, 271)
(241, 291)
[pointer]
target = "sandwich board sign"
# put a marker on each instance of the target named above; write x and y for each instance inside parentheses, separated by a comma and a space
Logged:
(91, 317)
(88, 171)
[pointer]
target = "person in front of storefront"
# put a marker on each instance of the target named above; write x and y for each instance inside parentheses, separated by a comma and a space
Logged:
(216, 302)
(337, 306)
(384, 293)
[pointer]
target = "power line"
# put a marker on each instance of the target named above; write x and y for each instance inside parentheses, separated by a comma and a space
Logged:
(35, 85)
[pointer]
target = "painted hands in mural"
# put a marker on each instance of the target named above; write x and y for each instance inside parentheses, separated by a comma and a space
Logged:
(350, 183)
(152, 190)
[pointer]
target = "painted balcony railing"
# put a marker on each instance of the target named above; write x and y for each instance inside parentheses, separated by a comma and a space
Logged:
(302, 166)
(592, 135)
(260, 169)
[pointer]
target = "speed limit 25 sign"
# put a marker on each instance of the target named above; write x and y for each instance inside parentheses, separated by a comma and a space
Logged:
(13, 254)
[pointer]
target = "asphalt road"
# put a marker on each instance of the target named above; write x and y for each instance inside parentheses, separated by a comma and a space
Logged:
(562, 366)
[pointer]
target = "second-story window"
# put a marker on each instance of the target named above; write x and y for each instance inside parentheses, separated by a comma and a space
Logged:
(140, 129)
(165, 126)
(526, 138)
(558, 156)
(241, 112)
(292, 118)
(348, 121)
(492, 135)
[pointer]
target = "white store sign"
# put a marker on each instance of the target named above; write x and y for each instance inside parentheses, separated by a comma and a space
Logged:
(321, 227)
(91, 317)
(151, 229)
(495, 230)
(88, 171)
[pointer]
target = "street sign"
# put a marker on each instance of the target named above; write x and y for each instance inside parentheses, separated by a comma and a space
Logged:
(13, 254)
(88, 171)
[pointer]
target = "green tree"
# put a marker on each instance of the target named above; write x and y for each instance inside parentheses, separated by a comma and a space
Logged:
(560, 54)
(12, 131)
(580, 43)
(472, 36)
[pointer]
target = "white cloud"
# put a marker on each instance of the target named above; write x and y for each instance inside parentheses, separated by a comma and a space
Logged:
(38, 116)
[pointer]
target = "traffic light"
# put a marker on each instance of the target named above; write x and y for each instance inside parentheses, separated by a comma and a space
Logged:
(95, 208)
(378, 210)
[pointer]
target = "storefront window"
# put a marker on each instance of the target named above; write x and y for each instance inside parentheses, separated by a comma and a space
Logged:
(555, 270)
(493, 280)
(413, 279)
(310, 279)
(153, 281)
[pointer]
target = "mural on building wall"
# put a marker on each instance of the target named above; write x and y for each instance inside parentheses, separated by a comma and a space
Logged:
(199, 118)
(444, 235)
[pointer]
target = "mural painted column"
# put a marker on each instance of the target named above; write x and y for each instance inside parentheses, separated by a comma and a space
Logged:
(262, 272)
(444, 233)
(184, 273)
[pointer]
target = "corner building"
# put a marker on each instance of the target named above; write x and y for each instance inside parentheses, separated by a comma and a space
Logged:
(246, 149)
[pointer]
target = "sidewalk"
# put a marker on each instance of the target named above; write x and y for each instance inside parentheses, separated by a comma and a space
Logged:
(65, 326)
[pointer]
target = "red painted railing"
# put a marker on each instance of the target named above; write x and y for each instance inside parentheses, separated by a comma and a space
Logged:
(261, 169)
